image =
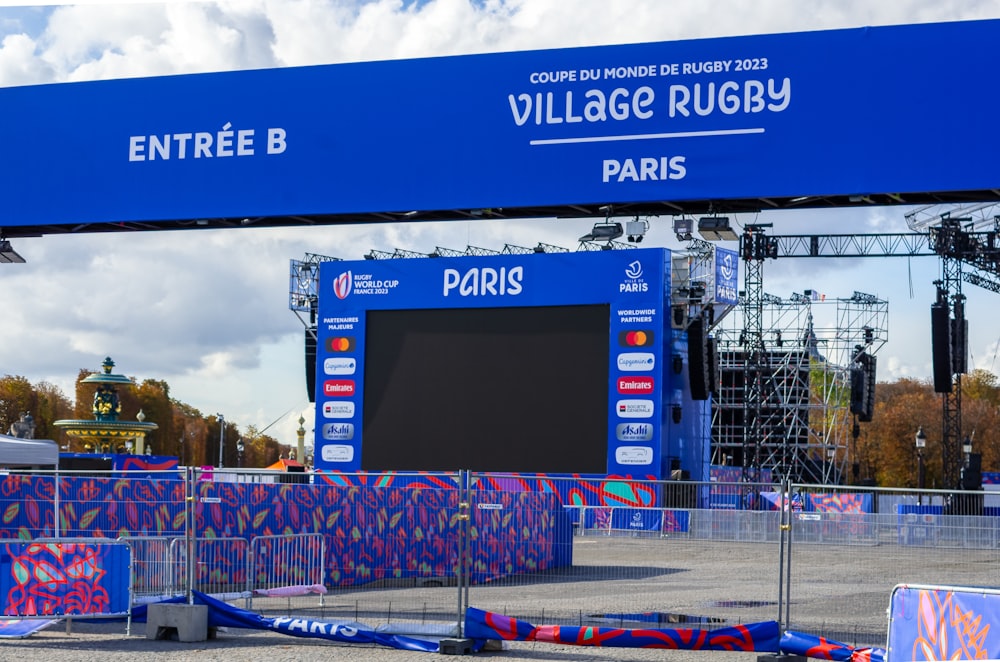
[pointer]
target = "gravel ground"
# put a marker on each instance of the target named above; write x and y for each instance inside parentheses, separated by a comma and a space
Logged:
(839, 592)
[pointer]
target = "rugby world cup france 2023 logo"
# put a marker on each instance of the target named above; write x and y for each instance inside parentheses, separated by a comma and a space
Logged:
(342, 285)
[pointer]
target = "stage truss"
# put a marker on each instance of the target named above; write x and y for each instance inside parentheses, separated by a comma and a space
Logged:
(810, 342)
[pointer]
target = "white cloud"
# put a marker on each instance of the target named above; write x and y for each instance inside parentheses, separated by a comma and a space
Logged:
(207, 311)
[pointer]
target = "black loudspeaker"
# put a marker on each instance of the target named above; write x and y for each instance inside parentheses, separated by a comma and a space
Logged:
(859, 386)
(972, 475)
(868, 403)
(960, 345)
(311, 363)
(713, 365)
(941, 351)
(698, 360)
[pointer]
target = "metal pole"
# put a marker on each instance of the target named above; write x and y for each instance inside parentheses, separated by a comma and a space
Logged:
(189, 491)
(788, 563)
(222, 436)
(920, 475)
(782, 528)
(55, 522)
(463, 525)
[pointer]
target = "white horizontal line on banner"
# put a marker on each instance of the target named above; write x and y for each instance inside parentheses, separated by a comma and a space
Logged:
(646, 136)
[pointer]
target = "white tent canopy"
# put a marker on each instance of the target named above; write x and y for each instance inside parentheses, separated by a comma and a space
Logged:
(16, 452)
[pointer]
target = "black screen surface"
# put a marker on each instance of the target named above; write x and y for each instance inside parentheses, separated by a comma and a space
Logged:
(487, 389)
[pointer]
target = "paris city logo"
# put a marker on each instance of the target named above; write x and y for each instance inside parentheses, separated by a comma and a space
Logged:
(342, 285)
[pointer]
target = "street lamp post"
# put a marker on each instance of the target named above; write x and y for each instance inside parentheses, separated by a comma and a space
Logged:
(239, 453)
(222, 436)
(921, 442)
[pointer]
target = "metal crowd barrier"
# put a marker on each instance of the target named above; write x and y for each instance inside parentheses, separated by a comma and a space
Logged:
(66, 578)
(154, 572)
(221, 568)
(288, 566)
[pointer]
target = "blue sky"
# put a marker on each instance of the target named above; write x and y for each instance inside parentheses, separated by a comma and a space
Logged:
(208, 313)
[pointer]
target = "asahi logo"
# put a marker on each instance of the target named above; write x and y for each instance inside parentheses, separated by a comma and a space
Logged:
(338, 431)
(634, 431)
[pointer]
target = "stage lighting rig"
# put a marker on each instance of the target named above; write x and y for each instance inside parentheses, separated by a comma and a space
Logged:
(636, 229)
(716, 228)
(683, 227)
(606, 231)
(8, 254)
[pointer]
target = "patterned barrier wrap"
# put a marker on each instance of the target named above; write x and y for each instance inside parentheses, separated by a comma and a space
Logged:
(373, 532)
(65, 579)
(944, 623)
(821, 648)
(222, 614)
(761, 637)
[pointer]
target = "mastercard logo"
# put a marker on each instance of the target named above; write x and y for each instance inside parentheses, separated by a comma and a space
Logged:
(341, 344)
(641, 338)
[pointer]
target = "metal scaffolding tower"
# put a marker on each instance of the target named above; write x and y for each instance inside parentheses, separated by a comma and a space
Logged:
(806, 352)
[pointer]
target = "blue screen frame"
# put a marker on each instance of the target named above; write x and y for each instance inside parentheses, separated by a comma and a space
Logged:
(634, 283)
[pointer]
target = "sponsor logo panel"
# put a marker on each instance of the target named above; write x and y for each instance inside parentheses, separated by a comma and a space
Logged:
(638, 338)
(340, 344)
(337, 453)
(338, 409)
(637, 385)
(636, 361)
(340, 366)
(634, 455)
(635, 408)
(634, 431)
(338, 431)
(338, 388)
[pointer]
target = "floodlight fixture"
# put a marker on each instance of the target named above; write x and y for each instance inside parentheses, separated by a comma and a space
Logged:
(636, 230)
(604, 232)
(716, 228)
(8, 254)
(683, 227)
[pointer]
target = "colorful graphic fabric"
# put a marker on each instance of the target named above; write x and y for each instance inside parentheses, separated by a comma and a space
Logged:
(943, 623)
(64, 579)
(762, 637)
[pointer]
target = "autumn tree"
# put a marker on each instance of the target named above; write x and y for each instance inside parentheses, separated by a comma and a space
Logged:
(17, 397)
(886, 447)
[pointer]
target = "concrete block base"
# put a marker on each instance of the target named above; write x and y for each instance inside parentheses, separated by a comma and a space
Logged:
(781, 657)
(455, 646)
(183, 621)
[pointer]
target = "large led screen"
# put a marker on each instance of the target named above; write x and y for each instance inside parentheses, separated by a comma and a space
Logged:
(487, 389)
(521, 363)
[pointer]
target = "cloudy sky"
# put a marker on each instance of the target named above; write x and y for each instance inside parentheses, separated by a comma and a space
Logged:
(207, 311)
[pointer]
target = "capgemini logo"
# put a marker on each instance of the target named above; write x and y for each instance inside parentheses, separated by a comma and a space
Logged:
(342, 285)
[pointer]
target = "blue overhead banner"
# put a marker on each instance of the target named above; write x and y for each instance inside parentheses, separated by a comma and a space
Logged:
(872, 110)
